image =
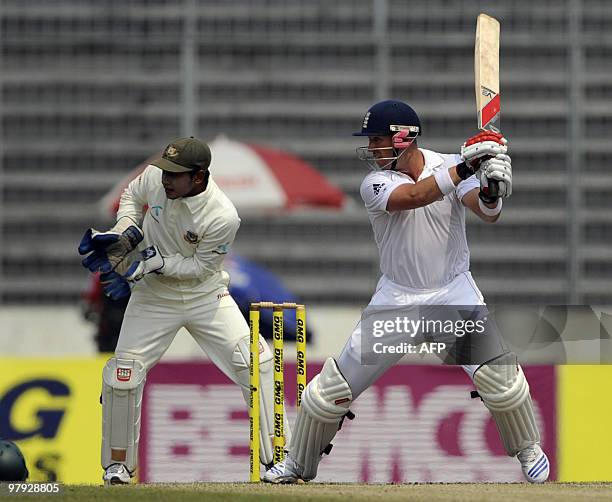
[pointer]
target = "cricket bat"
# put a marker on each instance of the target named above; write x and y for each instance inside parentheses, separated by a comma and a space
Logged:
(486, 78)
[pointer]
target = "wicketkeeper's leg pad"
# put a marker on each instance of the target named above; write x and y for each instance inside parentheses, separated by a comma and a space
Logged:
(122, 385)
(504, 390)
(325, 401)
(240, 361)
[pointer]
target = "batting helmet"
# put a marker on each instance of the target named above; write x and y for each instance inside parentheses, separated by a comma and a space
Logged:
(12, 464)
(389, 117)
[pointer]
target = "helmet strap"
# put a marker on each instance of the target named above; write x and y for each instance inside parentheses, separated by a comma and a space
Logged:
(396, 154)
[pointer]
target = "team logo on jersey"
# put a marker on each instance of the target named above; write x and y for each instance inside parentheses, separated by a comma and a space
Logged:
(366, 119)
(190, 237)
(378, 187)
(124, 374)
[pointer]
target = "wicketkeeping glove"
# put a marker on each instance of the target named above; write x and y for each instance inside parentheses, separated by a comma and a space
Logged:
(152, 261)
(108, 249)
(499, 168)
(115, 285)
(482, 146)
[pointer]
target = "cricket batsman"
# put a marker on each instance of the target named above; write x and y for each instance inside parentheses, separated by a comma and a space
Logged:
(171, 259)
(416, 200)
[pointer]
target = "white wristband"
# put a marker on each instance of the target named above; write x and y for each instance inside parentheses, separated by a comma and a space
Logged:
(490, 211)
(444, 181)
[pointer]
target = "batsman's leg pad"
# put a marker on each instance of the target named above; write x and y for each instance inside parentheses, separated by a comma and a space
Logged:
(505, 392)
(240, 361)
(325, 401)
(122, 385)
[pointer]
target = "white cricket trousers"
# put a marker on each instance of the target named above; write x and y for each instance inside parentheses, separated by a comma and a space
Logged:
(460, 291)
(151, 323)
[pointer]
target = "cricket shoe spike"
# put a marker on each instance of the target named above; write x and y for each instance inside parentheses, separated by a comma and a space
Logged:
(534, 463)
(116, 474)
(283, 473)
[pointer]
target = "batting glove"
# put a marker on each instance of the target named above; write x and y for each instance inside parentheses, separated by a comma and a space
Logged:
(152, 261)
(482, 146)
(499, 168)
(108, 249)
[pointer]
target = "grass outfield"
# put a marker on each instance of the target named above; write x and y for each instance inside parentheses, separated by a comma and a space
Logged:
(468, 492)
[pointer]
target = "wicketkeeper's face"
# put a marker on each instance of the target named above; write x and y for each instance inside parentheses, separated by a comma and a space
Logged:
(178, 185)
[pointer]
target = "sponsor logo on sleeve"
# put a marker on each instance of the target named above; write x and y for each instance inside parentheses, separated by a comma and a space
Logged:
(222, 249)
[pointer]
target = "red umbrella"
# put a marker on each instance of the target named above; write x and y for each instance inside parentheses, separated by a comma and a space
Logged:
(255, 178)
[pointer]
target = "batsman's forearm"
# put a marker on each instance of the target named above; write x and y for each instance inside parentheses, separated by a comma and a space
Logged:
(423, 192)
(486, 212)
(407, 197)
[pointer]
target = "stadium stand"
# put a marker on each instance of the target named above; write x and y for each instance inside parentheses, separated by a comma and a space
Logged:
(91, 88)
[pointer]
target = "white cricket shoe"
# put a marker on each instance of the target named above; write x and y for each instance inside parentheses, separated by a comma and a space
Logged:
(534, 463)
(283, 473)
(116, 474)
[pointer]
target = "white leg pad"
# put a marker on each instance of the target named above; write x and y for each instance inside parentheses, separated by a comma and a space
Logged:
(325, 400)
(240, 360)
(505, 391)
(122, 386)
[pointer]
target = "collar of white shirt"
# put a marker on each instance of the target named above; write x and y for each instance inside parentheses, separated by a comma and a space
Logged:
(433, 160)
(196, 203)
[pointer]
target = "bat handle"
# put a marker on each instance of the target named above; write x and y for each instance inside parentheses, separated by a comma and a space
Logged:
(493, 188)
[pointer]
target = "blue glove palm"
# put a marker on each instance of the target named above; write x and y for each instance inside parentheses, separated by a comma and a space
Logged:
(115, 285)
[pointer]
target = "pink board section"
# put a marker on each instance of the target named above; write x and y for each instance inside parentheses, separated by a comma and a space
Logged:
(416, 424)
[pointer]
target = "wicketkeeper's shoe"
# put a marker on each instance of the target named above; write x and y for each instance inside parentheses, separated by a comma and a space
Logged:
(116, 474)
(283, 473)
(534, 463)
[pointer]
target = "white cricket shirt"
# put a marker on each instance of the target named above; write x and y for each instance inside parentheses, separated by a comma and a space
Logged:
(193, 234)
(423, 248)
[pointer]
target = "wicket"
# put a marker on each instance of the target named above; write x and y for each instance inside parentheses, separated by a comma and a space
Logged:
(279, 379)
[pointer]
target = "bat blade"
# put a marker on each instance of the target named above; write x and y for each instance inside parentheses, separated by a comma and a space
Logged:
(486, 73)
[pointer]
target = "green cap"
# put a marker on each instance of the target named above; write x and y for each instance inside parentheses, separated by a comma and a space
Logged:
(184, 155)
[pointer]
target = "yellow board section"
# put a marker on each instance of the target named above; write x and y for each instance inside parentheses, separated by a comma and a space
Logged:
(53, 409)
(584, 411)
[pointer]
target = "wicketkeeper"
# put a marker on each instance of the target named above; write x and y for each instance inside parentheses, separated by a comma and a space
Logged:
(171, 259)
